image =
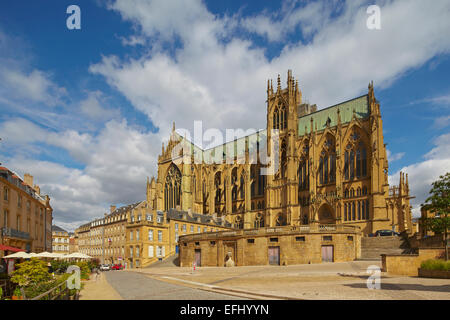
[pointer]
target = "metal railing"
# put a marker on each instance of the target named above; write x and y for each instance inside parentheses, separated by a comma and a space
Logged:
(13, 233)
(271, 230)
(60, 292)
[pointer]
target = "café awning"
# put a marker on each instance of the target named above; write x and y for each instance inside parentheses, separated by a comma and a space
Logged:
(9, 248)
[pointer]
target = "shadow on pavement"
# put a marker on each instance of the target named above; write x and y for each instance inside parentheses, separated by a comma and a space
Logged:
(391, 286)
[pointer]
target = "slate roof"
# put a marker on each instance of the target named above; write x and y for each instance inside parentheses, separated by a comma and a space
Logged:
(124, 209)
(58, 229)
(14, 179)
(206, 219)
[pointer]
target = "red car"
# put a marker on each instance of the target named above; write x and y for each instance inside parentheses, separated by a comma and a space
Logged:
(117, 267)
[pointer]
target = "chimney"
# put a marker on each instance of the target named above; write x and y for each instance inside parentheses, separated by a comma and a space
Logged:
(28, 179)
(37, 189)
(112, 209)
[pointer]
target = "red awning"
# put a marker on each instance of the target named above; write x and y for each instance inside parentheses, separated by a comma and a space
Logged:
(5, 248)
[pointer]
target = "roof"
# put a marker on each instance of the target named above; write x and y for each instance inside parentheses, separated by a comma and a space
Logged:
(196, 217)
(124, 209)
(58, 229)
(13, 178)
(320, 118)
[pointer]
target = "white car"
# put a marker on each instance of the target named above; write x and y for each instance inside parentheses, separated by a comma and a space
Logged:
(104, 267)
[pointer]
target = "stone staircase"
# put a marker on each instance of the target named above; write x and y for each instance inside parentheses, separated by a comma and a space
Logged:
(373, 247)
(171, 261)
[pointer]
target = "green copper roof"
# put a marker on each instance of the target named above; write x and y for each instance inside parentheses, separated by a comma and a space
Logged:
(320, 118)
(232, 148)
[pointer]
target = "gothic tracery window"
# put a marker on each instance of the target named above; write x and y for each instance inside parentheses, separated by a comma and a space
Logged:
(327, 163)
(259, 221)
(172, 188)
(238, 223)
(303, 175)
(280, 117)
(355, 165)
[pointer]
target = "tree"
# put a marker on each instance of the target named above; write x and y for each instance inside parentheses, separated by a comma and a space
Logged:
(438, 203)
(30, 272)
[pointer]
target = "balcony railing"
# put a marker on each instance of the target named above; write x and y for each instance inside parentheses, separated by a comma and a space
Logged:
(13, 233)
(272, 231)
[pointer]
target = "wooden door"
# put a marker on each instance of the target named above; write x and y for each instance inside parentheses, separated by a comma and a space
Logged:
(327, 253)
(274, 256)
(198, 257)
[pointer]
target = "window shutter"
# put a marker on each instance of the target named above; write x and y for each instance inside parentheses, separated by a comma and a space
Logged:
(163, 251)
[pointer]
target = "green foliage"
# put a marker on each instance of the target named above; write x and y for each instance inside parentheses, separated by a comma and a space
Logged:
(85, 270)
(439, 203)
(439, 200)
(435, 264)
(36, 289)
(93, 263)
(17, 292)
(438, 224)
(60, 266)
(29, 272)
(1, 293)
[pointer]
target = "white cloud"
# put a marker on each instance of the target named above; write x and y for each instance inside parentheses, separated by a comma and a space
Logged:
(442, 122)
(394, 156)
(92, 107)
(307, 19)
(223, 82)
(116, 164)
(35, 86)
(422, 174)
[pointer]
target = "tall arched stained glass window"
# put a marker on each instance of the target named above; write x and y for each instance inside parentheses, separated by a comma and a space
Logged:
(172, 188)
(242, 185)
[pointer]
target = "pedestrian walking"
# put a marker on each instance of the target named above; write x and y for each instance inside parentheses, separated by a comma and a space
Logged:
(96, 272)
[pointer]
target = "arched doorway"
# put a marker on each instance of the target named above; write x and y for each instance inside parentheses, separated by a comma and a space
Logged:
(326, 215)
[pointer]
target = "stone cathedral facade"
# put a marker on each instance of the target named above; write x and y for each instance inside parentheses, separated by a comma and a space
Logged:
(332, 169)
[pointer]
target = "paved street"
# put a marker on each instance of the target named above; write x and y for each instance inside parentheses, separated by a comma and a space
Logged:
(321, 281)
(137, 286)
(343, 280)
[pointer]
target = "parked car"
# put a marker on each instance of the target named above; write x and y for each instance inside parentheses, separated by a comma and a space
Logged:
(117, 267)
(104, 267)
(382, 233)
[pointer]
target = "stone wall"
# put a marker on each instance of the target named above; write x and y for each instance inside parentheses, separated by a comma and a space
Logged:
(428, 242)
(408, 265)
(252, 247)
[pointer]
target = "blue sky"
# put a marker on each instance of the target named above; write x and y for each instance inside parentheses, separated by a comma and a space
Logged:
(85, 111)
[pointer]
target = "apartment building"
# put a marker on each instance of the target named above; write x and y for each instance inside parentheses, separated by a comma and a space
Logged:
(60, 240)
(25, 215)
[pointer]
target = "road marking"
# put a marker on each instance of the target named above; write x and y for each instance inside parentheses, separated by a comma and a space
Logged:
(191, 282)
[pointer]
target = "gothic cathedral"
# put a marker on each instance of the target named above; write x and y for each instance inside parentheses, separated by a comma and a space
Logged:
(332, 169)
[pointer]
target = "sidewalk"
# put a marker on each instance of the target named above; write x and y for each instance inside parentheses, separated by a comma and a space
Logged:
(98, 289)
